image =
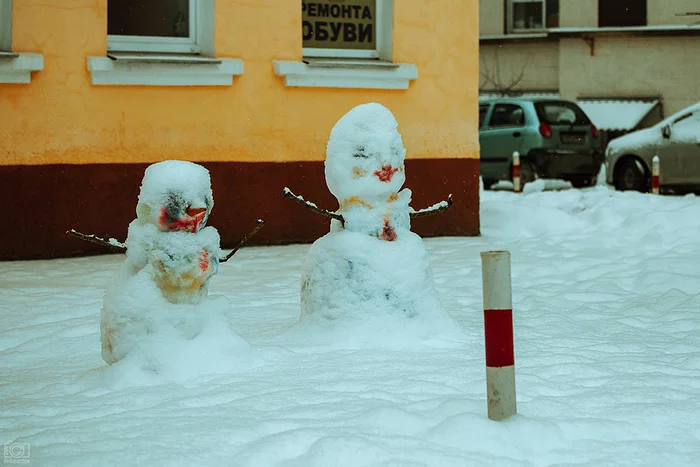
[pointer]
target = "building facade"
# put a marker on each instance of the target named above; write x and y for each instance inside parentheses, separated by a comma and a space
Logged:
(92, 91)
(627, 62)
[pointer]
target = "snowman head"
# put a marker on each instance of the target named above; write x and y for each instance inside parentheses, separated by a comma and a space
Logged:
(175, 196)
(365, 155)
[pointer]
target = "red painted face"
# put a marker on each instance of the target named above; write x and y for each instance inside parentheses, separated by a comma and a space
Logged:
(190, 222)
(386, 173)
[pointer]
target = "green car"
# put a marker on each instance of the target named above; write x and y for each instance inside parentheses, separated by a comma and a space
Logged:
(554, 137)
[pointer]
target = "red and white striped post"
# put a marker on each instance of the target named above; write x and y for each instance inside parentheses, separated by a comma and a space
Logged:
(655, 172)
(516, 172)
(498, 330)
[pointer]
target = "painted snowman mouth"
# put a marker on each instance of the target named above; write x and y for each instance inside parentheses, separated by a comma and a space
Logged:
(190, 223)
(386, 173)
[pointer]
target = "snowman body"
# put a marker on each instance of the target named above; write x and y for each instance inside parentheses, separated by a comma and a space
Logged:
(162, 286)
(371, 263)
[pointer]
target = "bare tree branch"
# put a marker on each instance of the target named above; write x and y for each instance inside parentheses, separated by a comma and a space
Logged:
(311, 206)
(245, 238)
(434, 209)
(491, 74)
(109, 243)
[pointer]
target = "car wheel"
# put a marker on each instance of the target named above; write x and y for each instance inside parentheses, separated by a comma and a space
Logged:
(631, 175)
(489, 183)
(527, 173)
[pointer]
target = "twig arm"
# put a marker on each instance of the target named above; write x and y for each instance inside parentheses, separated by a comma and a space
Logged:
(312, 207)
(109, 243)
(434, 209)
(245, 238)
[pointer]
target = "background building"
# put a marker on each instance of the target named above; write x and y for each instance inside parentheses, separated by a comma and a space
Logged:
(627, 62)
(92, 91)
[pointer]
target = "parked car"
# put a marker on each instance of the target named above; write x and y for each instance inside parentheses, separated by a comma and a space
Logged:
(676, 140)
(554, 137)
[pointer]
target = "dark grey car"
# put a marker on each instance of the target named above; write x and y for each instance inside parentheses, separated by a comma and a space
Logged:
(554, 137)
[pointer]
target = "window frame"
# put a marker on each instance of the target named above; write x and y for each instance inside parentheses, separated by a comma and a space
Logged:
(183, 45)
(6, 26)
(511, 17)
(384, 35)
(512, 125)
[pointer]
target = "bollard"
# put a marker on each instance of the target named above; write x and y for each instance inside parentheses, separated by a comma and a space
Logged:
(516, 172)
(655, 171)
(498, 334)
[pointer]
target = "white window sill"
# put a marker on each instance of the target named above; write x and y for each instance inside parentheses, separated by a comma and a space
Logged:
(17, 67)
(367, 74)
(163, 70)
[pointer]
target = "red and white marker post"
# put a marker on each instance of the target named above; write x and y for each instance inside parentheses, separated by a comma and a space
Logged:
(516, 172)
(655, 172)
(498, 330)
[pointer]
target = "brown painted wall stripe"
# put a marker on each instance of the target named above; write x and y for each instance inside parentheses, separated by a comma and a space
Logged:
(43, 202)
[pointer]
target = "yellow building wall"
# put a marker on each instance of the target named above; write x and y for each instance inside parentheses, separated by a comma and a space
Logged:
(60, 117)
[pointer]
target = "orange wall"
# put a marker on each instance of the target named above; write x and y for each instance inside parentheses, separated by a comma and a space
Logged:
(60, 117)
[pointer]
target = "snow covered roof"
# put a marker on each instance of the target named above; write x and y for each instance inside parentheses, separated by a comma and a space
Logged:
(527, 95)
(617, 114)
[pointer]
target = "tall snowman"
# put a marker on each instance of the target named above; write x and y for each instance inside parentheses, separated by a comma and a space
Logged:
(160, 292)
(370, 263)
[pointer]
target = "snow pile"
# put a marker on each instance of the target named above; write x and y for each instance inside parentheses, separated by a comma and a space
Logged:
(365, 156)
(683, 130)
(157, 314)
(687, 131)
(606, 287)
(359, 291)
(370, 276)
(168, 189)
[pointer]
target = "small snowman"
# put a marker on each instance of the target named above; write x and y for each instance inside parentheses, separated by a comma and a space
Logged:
(370, 262)
(170, 257)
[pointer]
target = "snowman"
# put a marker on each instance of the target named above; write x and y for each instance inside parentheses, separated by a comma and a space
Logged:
(161, 288)
(370, 263)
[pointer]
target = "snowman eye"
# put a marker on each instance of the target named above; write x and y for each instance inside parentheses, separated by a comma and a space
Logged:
(360, 153)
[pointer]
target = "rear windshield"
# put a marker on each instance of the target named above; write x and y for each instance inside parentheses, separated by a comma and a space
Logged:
(561, 113)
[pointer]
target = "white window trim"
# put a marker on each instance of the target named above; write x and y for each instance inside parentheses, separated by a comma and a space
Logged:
(511, 17)
(365, 74)
(200, 41)
(18, 67)
(163, 70)
(15, 67)
(384, 31)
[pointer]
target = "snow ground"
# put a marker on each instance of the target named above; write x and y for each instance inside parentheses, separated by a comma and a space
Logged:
(606, 290)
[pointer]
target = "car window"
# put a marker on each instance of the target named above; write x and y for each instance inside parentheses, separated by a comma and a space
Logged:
(507, 115)
(483, 110)
(561, 113)
(686, 128)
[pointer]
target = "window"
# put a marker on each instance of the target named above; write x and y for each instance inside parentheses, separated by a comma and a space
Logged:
(507, 115)
(346, 28)
(621, 13)
(561, 113)
(532, 15)
(483, 110)
(5, 25)
(169, 26)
